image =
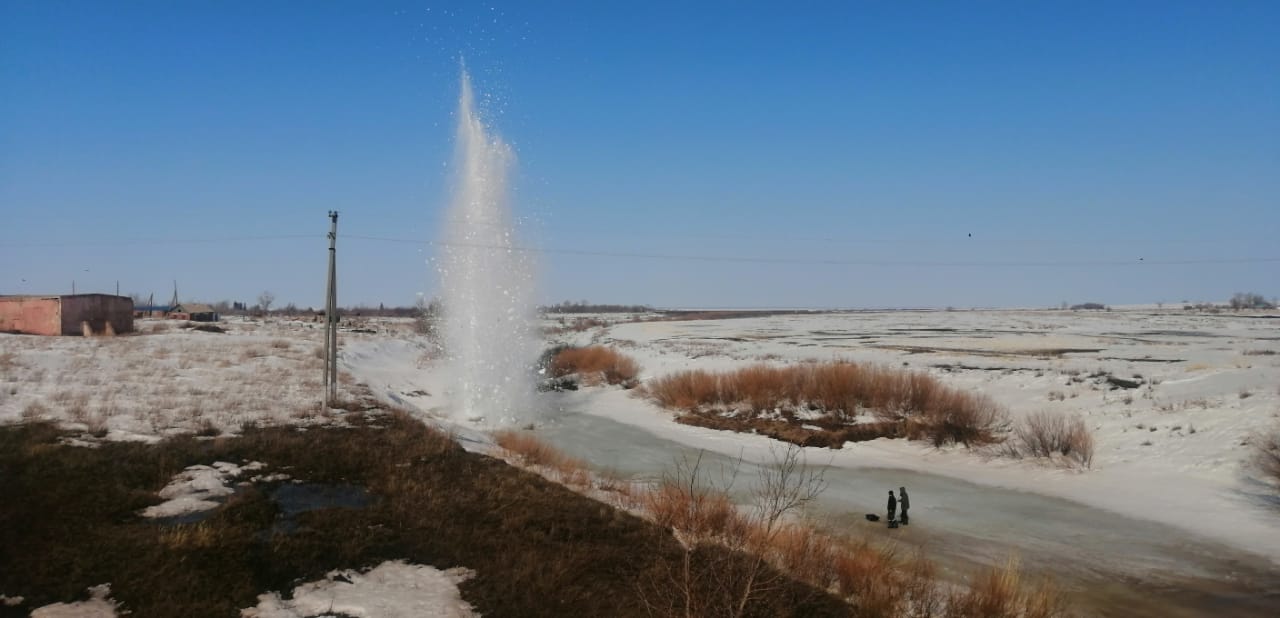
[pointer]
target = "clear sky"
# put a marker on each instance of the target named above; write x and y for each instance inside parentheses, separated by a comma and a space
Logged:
(693, 154)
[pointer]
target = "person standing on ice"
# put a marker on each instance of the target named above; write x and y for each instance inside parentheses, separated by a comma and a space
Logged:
(893, 505)
(905, 502)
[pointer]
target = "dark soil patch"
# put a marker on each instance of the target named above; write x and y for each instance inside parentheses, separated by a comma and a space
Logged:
(829, 434)
(69, 521)
(1122, 383)
(1144, 360)
(1045, 352)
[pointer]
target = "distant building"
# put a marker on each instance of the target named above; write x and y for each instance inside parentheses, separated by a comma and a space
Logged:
(195, 312)
(73, 314)
(150, 311)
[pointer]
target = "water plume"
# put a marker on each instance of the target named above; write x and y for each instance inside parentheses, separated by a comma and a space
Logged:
(486, 281)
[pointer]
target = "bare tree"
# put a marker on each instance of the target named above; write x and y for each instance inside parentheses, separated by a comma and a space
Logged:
(700, 513)
(264, 301)
(785, 488)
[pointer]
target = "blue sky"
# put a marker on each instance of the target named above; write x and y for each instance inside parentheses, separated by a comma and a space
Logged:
(807, 154)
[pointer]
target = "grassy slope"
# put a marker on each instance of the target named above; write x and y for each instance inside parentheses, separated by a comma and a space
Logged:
(68, 521)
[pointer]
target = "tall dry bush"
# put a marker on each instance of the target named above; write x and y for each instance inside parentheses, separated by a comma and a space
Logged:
(616, 367)
(1044, 434)
(685, 390)
(1266, 447)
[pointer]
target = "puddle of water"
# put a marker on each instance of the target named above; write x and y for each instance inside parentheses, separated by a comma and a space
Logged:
(297, 498)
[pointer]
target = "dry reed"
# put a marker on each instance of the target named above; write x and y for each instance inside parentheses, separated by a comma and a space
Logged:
(617, 368)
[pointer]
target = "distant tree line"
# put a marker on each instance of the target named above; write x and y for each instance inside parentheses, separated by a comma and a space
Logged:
(1250, 300)
(583, 306)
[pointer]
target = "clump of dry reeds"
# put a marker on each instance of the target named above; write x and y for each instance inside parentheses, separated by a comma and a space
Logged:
(919, 404)
(532, 451)
(613, 366)
(1000, 592)
(1266, 446)
(1045, 434)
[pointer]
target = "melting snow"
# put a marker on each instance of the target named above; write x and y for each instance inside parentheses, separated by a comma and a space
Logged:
(198, 488)
(98, 606)
(391, 590)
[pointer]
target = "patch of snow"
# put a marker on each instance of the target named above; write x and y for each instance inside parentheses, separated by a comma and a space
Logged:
(393, 589)
(198, 488)
(98, 606)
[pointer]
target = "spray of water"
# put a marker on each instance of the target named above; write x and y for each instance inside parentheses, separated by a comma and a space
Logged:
(486, 282)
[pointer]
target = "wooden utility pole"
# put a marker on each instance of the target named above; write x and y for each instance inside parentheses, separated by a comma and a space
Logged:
(331, 316)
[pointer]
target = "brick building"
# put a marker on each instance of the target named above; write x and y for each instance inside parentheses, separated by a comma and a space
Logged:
(66, 315)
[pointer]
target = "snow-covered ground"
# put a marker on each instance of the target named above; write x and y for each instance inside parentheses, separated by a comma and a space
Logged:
(1174, 450)
(1170, 487)
(392, 589)
(1170, 496)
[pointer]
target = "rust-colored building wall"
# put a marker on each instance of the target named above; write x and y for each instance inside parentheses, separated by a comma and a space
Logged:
(37, 315)
(97, 310)
(62, 315)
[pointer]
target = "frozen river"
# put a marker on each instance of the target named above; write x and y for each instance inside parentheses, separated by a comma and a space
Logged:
(1110, 564)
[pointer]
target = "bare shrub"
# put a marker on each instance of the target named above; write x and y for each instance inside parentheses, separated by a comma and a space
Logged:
(78, 408)
(98, 424)
(1044, 434)
(697, 512)
(702, 512)
(617, 368)
(9, 362)
(1266, 446)
(34, 411)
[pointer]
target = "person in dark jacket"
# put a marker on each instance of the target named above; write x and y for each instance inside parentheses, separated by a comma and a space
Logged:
(905, 502)
(893, 505)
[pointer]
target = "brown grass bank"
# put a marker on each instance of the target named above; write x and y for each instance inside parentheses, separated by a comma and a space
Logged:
(69, 520)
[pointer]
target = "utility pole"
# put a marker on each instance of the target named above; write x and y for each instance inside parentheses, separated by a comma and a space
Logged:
(331, 316)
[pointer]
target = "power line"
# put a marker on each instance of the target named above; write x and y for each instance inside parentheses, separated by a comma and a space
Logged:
(155, 241)
(670, 256)
(799, 261)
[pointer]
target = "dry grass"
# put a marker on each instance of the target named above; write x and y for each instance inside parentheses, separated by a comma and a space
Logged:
(34, 411)
(537, 548)
(1266, 453)
(617, 368)
(153, 381)
(532, 451)
(870, 576)
(188, 537)
(1001, 593)
(1045, 434)
(9, 362)
(698, 513)
(912, 403)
